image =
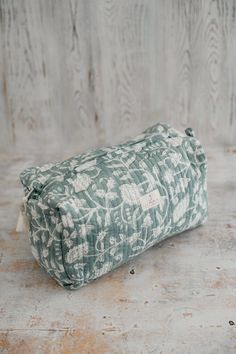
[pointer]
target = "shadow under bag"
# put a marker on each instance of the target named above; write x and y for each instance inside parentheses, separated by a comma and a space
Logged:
(91, 213)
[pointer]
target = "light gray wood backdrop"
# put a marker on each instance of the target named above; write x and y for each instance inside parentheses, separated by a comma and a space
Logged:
(88, 73)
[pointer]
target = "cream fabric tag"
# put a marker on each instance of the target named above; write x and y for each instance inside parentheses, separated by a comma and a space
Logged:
(150, 200)
(22, 222)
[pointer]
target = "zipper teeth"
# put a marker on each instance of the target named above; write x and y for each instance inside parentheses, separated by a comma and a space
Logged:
(103, 153)
(70, 172)
(26, 198)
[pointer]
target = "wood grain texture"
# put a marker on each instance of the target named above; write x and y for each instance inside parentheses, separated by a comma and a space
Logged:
(171, 299)
(80, 74)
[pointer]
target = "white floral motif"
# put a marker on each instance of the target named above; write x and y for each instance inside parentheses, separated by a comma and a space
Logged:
(34, 236)
(111, 195)
(76, 203)
(180, 209)
(76, 252)
(134, 237)
(147, 221)
(42, 206)
(101, 235)
(112, 240)
(100, 193)
(67, 220)
(130, 193)
(46, 167)
(175, 158)
(59, 227)
(177, 141)
(45, 252)
(104, 269)
(81, 182)
(68, 242)
(110, 183)
(184, 182)
(169, 176)
(86, 165)
(53, 219)
(84, 229)
(34, 213)
(42, 179)
(156, 231)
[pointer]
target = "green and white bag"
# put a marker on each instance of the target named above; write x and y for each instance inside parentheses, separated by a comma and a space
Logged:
(93, 212)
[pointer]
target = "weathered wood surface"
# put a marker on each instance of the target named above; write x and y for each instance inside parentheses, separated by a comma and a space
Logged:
(79, 74)
(89, 73)
(180, 299)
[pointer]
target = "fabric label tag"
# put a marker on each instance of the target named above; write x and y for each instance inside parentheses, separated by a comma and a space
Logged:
(150, 200)
(22, 222)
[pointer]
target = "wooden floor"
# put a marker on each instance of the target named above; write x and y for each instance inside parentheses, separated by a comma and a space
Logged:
(181, 298)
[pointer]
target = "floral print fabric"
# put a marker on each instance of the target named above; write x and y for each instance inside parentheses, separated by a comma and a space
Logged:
(95, 211)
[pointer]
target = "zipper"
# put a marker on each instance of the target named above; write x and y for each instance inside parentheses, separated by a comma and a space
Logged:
(26, 197)
(38, 188)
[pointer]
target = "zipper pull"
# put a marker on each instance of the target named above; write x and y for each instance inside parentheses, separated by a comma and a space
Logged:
(190, 132)
(26, 197)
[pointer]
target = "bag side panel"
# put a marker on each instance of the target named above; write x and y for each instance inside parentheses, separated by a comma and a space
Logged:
(45, 228)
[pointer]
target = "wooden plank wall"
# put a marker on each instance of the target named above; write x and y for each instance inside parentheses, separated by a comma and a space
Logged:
(86, 73)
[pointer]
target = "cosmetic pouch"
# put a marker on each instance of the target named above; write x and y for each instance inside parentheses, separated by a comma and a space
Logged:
(91, 213)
